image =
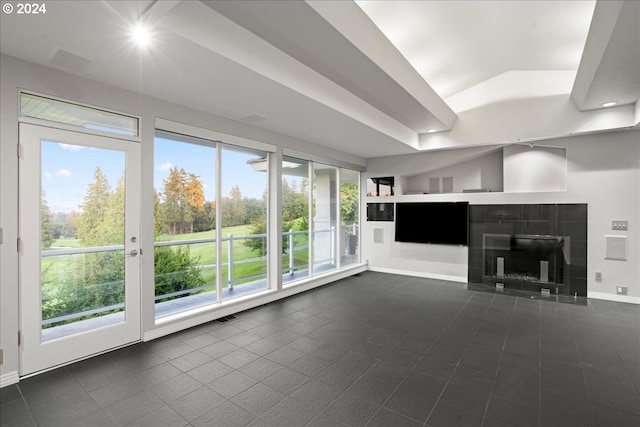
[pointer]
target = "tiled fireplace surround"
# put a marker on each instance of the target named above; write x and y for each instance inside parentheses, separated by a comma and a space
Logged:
(529, 247)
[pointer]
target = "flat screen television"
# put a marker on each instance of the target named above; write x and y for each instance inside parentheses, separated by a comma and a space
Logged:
(441, 223)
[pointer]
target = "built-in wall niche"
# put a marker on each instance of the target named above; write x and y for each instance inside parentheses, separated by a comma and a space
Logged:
(480, 174)
(380, 212)
(381, 186)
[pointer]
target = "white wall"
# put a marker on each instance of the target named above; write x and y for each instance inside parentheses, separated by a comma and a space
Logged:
(534, 168)
(17, 74)
(603, 170)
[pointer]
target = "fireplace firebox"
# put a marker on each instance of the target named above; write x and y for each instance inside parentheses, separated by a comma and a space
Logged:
(527, 261)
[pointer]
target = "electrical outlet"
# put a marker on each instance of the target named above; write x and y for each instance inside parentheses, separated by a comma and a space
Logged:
(599, 276)
(621, 290)
(619, 225)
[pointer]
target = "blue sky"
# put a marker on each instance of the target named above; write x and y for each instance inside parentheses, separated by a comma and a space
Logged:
(68, 170)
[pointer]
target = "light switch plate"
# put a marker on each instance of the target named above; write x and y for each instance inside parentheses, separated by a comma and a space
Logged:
(619, 225)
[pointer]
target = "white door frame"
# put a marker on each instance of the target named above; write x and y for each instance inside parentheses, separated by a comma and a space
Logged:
(35, 355)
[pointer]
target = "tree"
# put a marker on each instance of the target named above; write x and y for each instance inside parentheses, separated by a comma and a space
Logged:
(174, 203)
(295, 216)
(233, 208)
(295, 202)
(112, 227)
(96, 280)
(46, 229)
(349, 203)
(194, 190)
(159, 222)
(183, 200)
(176, 270)
(259, 226)
(254, 209)
(64, 224)
(94, 210)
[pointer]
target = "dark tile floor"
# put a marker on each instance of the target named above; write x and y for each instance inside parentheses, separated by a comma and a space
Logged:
(374, 350)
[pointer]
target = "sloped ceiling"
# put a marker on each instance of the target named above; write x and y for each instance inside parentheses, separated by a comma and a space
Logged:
(340, 74)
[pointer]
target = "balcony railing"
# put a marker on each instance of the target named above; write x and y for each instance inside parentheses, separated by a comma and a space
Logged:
(289, 264)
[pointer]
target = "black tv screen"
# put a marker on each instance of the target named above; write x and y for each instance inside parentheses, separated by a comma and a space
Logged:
(443, 223)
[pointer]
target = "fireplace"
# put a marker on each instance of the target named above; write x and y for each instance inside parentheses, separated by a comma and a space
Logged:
(527, 261)
(529, 248)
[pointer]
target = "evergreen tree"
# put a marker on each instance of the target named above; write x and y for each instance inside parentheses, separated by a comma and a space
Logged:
(194, 190)
(233, 208)
(94, 209)
(159, 223)
(112, 227)
(175, 203)
(46, 228)
(183, 200)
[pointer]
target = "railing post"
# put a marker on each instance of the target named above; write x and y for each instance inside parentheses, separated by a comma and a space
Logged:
(291, 254)
(230, 262)
(333, 245)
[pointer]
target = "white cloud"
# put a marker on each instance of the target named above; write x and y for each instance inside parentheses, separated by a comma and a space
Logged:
(165, 166)
(47, 175)
(63, 172)
(70, 147)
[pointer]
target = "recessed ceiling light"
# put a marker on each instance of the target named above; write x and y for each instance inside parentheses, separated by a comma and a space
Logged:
(432, 130)
(609, 104)
(141, 34)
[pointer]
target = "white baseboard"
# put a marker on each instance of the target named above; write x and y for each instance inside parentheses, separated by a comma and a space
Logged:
(616, 298)
(190, 321)
(9, 378)
(420, 274)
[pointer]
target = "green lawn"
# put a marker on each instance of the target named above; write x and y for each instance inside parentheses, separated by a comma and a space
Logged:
(254, 264)
(66, 278)
(65, 242)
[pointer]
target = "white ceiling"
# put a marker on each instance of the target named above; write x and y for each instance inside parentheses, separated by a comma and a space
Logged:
(455, 45)
(368, 79)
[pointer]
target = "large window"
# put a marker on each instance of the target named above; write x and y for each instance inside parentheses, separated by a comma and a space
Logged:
(195, 262)
(184, 223)
(244, 221)
(211, 221)
(295, 219)
(348, 240)
(317, 237)
(325, 217)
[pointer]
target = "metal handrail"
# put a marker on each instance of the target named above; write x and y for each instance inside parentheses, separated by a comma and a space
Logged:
(230, 238)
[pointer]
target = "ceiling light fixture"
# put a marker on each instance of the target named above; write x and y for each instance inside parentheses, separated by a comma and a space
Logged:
(609, 104)
(141, 34)
(432, 130)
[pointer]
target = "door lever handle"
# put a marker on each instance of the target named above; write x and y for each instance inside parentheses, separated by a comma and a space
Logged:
(133, 253)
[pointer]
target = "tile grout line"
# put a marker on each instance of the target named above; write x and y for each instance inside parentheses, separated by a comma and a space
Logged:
(504, 345)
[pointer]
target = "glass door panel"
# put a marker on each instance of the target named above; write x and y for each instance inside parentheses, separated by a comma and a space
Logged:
(82, 238)
(79, 223)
